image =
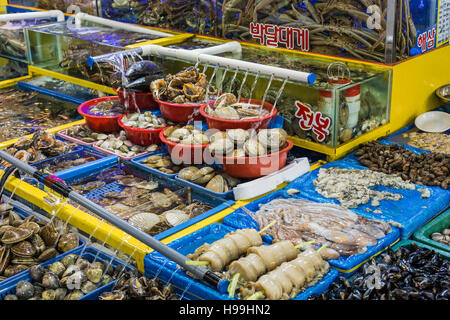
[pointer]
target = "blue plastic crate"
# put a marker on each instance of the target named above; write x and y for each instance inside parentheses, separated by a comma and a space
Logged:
(156, 264)
(81, 153)
(218, 204)
(240, 219)
(89, 254)
(411, 211)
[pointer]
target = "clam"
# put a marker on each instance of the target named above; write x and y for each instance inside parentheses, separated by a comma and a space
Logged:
(23, 249)
(50, 280)
(5, 256)
(47, 254)
(49, 234)
(228, 113)
(94, 274)
(15, 235)
(218, 136)
(49, 294)
(14, 269)
(24, 290)
(74, 295)
(37, 272)
(238, 136)
(221, 147)
(253, 148)
(38, 243)
(272, 139)
(76, 280)
(60, 293)
(87, 287)
(217, 184)
(70, 270)
(57, 268)
(144, 221)
(69, 260)
(68, 241)
(225, 99)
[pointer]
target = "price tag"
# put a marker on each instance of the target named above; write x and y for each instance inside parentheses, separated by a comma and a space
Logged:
(443, 22)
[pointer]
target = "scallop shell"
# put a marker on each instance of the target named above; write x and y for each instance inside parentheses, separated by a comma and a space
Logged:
(224, 100)
(144, 221)
(175, 217)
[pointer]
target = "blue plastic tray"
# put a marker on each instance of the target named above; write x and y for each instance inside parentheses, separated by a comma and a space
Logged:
(81, 153)
(218, 204)
(240, 219)
(411, 211)
(156, 264)
(89, 254)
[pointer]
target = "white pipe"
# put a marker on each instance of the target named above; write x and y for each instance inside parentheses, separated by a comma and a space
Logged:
(117, 25)
(59, 15)
(232, 46)
(195, 56)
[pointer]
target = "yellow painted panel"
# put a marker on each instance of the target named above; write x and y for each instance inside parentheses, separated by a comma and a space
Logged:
(85, 222)
(11, 82)
(414, 83)
(163, 41)
(6, 144)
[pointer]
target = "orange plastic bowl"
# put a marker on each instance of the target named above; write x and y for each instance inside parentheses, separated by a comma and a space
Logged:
(257, 124)
(106, 124)
(137, 100)
(142, 137)
(255, 167)
(186, 153)
(178, 112)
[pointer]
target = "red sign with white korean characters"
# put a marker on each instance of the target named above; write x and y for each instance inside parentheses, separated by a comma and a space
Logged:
(315, 121)
(426, 40)
(273, 35)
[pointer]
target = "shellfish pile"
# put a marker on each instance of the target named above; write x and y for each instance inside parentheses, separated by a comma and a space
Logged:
(187, 86)
(144, 204)
(228, 107)
(131, 286)
(68, 279)
(352, 187)
(27, 242)
(344, 232)
(67, 164)
(84, 133)
(120, 145)
(436, 142)
(41, 146)
(430, 169)
(187, 134)
(242, 143)
(162, 163)
(209, 177)
(442, 237)
(410, 273)
(146, 120)
(107, 108)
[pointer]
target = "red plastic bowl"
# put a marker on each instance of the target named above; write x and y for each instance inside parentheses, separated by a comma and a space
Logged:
(178, 112)
(257, 124)
(142, 137)
(106, 124)
(255, 167)
(186, 153)
(137, 100)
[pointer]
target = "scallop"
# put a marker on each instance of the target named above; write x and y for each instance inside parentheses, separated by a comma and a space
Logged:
(175, 217)
(224, 100)
(144, 221)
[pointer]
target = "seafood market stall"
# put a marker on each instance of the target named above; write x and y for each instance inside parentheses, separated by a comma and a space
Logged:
(164, 150)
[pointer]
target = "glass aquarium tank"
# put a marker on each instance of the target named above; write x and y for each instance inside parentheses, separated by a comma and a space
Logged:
(64, 48)
(86, 6)
(10, 69)
(12, 39)
(346, 100)
(349, 29)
